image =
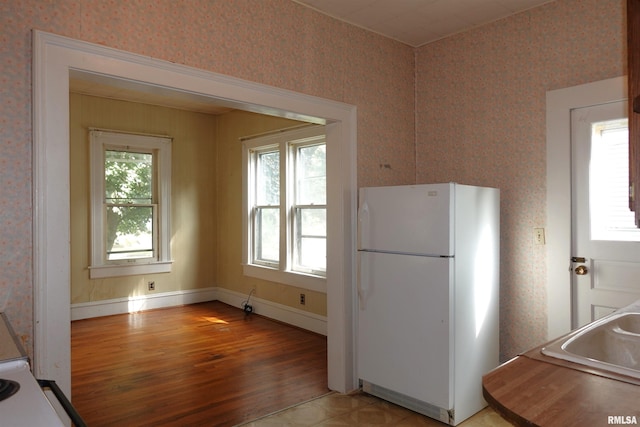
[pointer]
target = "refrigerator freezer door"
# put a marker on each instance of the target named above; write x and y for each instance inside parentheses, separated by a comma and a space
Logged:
(412, 219)
(404, 325)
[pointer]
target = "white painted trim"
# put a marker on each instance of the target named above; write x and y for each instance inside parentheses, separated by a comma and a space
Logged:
(291, 278)
(51, 217)
(283, 313)
(558, 234)
(88, 310)
(54, 58)
(117, 270)
(160, 262)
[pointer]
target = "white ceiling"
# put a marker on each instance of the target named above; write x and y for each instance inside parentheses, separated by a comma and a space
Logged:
(418, 22)
(127, 90)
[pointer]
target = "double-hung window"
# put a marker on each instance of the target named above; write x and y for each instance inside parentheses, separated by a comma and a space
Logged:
(130, 198)
(285, 222)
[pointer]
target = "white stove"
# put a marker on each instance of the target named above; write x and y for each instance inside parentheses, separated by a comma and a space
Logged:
(28, 406)
(22, 400)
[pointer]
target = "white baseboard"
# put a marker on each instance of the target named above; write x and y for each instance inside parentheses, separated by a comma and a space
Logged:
(283, 313)
(299, 318)
(109, 307)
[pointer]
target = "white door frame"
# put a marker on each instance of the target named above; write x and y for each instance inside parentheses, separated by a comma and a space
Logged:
(558, 234)
(54, 57)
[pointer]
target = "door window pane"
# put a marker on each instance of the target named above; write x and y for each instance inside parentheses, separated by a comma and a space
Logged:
(611, 218)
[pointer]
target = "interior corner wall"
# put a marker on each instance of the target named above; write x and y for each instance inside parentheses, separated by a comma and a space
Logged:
(193, 211)
(480, 117)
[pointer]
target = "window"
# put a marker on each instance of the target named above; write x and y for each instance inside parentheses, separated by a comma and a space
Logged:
(310, 208)
(611, 218)
(285, 222)
(130, 197)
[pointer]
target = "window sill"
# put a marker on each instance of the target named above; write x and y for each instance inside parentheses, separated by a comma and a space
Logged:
(300, 280)
(103, 271)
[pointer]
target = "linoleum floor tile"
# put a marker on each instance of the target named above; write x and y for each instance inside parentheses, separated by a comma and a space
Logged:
(359, 409)
(418, 420)
(486, 418)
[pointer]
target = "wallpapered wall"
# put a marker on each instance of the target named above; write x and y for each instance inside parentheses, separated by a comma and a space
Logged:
(481, 101)
(475, 115)
(274, 42)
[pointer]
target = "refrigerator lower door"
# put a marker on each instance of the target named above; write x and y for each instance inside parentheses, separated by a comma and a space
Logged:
(404, 326)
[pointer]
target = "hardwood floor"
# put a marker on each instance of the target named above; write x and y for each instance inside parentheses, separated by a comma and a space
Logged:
(197, 365)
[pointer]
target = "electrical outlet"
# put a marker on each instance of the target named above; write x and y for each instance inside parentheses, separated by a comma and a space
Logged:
(538, 236)
(303, 299)
(152, 286)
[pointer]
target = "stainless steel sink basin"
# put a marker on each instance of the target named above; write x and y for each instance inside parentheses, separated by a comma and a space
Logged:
(611, 343)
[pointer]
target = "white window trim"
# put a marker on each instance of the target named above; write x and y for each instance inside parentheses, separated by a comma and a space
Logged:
(282, 274)
(98, 139)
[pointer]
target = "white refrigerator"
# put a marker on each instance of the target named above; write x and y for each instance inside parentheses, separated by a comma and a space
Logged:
(428, 273)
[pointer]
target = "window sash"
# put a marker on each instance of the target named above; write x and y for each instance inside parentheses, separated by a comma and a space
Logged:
(144, 189)
(309, 195)
(267, 186)
(148, 251)
(266, 236)
(310, 185)
(310, 249)
(160, 147)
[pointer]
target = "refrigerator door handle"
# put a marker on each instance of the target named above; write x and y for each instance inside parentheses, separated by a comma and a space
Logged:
(363, 225)
(363, 278)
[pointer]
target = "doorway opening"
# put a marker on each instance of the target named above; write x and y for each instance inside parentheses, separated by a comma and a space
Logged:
(605, 241)
(54, 58)
(560, 103)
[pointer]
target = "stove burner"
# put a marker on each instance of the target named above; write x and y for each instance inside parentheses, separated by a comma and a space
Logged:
(8, 388)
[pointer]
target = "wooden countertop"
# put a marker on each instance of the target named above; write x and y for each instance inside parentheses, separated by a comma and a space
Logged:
(528, 391)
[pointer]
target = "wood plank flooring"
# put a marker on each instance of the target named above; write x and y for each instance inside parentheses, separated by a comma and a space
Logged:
(197, 365)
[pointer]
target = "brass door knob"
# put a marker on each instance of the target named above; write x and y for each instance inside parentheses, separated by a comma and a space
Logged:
(581, 270)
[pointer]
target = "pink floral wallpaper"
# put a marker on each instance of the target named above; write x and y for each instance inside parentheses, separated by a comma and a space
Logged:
(469, 108)
(480, 119)
(274, 42)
